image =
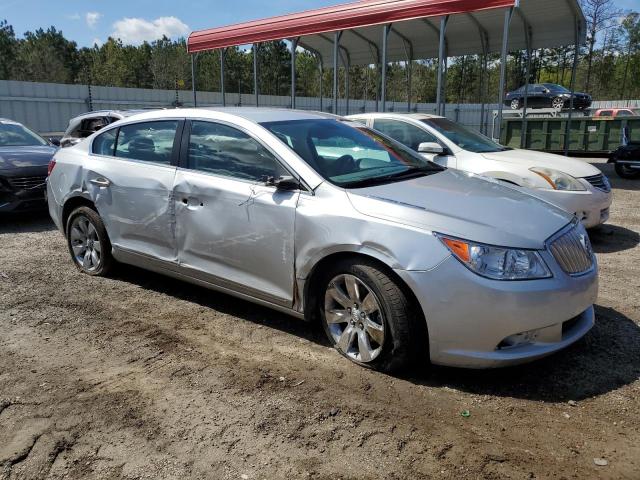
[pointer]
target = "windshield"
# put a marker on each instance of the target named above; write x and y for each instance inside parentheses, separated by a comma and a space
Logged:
(556, 88)
(350, 155)
(464, 138)
(15, 135)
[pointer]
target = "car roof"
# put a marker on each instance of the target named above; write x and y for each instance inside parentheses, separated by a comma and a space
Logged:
(415, 116)
(252, 114)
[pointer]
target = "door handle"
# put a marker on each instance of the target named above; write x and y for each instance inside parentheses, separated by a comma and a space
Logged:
(100, 182)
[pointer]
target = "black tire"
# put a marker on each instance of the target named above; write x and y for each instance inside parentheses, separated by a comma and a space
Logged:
(557, 100)
(625, 172)
(404, 337)
(105, 261)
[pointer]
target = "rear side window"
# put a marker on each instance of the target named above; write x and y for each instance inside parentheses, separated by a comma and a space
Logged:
(105, 143)
(405, 133)
(223, 150)
(147, 142)
(606, 113)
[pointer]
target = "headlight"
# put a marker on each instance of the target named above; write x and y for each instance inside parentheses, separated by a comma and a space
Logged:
(559, 180)
(497, 263)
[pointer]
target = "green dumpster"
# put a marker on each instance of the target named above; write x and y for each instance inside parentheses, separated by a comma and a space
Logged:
(587, 135)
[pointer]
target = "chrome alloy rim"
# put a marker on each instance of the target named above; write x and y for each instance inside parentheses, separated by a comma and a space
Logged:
(85, 244)
(558, 103)
(515, 104)
(354, 318)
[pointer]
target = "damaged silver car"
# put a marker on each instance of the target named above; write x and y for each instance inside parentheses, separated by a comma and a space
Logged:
(330, 221)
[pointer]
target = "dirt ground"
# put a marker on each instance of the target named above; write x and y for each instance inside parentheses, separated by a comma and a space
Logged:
(141, 376)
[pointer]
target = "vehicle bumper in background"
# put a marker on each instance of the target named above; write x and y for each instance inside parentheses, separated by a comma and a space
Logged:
(22, 201)
(591, 206)
(470, 317)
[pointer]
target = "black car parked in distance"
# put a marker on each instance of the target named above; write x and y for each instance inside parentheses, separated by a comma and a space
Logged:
(24, 159)
(547, 95)
(627, 160)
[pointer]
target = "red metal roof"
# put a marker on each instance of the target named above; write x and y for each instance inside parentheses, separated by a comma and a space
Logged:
(330, 19)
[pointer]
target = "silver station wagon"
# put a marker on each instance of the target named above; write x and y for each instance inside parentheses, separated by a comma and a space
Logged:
(330, 221)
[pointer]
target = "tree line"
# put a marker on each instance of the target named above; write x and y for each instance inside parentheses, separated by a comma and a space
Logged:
(609, 66)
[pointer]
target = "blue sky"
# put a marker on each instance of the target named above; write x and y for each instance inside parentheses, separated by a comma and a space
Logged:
(86, 21)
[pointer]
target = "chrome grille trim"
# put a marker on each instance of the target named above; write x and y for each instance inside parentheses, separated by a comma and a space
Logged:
(27, 183)
(600, 182)
(574, 257)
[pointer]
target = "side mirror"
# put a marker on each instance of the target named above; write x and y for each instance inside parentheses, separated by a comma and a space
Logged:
(285, 183)
(431, 148)
(54, 141)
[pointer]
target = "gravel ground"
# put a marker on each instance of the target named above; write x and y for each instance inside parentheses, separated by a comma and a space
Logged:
(141, 376)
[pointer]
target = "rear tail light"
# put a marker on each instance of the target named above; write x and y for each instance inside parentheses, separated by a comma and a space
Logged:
(52, 165)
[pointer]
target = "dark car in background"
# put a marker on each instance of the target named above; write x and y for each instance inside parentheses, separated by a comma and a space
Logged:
(627, 160)
(24, 159)
(547, 95)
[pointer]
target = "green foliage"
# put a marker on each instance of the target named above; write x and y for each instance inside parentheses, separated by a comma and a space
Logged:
(609, 66)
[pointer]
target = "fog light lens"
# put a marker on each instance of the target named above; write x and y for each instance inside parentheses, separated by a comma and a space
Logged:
(519, 339)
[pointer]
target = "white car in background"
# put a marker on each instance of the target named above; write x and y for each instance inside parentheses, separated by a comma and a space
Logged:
(573, 185)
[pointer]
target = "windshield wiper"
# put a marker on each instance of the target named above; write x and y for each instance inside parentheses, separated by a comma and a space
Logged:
(413, 172)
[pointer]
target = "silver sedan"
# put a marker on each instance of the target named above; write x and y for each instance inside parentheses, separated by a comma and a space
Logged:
(329, 221)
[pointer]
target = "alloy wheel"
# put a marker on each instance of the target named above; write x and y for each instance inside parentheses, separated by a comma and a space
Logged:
(354, 318)
(85, 244)
(557, 103)
(515, 104)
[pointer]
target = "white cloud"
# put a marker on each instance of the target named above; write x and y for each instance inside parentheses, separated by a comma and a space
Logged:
(138, 30)
(92, 18)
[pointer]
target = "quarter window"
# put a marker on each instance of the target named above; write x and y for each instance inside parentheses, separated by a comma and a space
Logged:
(223, 150)
(405, 133)
(147, 142)
(104, 144)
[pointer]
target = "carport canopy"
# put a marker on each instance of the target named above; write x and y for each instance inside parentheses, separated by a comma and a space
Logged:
(381, 31)
(415, 26)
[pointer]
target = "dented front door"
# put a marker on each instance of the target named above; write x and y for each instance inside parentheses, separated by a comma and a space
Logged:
(237, 234)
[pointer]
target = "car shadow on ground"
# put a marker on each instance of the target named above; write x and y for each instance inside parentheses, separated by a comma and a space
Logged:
(606, 359)
(612, 238)
(32, 222)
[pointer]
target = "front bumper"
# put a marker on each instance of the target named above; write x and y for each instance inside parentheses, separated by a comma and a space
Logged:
(469, 317)
(22, 201)
(590, 206)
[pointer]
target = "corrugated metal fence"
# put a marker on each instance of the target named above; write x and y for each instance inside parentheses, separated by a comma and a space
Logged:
(47, 107)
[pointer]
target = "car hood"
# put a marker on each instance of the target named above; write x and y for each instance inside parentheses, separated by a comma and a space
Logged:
(25, 157)
(465, 206)
(529, 159)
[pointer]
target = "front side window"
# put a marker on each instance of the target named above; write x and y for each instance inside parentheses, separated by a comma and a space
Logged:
(105, 143)
(349, 154)
(556, 88)
(624, 113)
(15, 135)
(403, 132)
(222, 150)
(463, 137)
(148, 141)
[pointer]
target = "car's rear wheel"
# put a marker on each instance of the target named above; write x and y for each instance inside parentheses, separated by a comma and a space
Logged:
(367, 316)
(88, 242)
(515, 104)
(557, 103)
(626, 172)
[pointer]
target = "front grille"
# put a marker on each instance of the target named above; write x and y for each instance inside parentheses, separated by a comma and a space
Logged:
(600, 182)
(27, 183)
(573, 251)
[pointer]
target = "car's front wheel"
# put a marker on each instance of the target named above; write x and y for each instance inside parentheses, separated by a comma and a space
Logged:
(557, 103)
(367, 316)
(515, 104)
(88, 242)
(626, 172)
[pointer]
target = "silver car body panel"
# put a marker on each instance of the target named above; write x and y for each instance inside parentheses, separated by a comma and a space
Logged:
(255, 242)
